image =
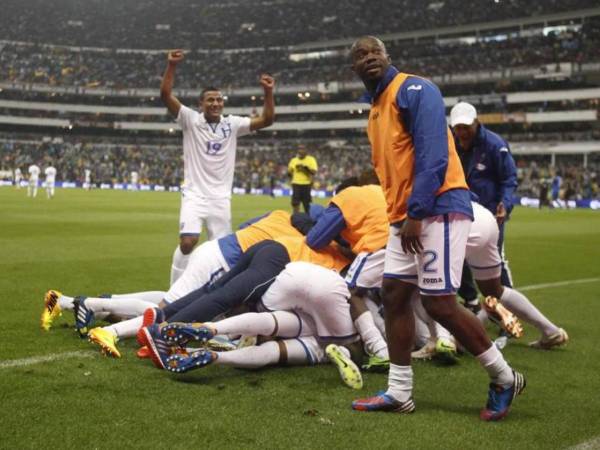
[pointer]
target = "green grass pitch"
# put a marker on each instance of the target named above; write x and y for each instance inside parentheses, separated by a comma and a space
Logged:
(109, 241)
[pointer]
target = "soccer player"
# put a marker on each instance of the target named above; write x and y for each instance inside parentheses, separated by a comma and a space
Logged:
(18, 178)
(50, 181)
(209, 148)
(429, 207)
(209, 261)
(302, 168)
(87, 180)
(34, 175)
(306, 303)
(133, 180)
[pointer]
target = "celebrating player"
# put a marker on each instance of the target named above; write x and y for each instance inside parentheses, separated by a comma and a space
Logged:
(429, 207)
(34, 175)
(209, 149)
(50, 173)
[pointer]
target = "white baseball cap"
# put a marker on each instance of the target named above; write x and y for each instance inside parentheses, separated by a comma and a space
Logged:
(462, 113)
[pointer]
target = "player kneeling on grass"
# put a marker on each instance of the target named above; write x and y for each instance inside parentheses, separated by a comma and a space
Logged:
(306, 307)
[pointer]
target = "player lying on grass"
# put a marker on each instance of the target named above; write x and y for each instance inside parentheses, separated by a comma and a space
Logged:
(306, 306)
(209, 261)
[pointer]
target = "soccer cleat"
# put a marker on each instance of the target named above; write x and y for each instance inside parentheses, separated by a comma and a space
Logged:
(247, 341)
(554, 340)
(51, 310)
(385, 403)
(158, 348)
(445, 351)
(180, 333)
(500, 399)
(143, 353)
(376, 364)
(181, 363)
(502, 316)
(106, 340)
(84, 317)
(220, 343)
(150, 317)
(349, 371)
(425, 352)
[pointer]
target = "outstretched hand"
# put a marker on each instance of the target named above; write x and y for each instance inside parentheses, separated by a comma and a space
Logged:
(267, 82)
(175, 56)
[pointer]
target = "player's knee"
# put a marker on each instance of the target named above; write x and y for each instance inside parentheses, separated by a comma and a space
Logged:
(395, 294)
(187, 244)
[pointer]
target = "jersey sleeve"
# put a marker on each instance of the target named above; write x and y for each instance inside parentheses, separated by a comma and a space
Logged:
(507, 174)
(241, 125)
(312, 164)
(424, 115)
(328, 227)
(185, 117)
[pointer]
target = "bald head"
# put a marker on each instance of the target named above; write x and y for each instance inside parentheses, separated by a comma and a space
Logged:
(370, 59)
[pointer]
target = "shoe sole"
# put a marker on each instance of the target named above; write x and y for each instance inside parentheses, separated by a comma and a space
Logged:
(349, 372)
(505, 319)
(407, 407)
(179, 333)
(148, 319)
(106, 350)
(50, 306)
(149, 342)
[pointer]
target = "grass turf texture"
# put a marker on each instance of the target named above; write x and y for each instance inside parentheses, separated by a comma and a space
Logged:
(109, 241)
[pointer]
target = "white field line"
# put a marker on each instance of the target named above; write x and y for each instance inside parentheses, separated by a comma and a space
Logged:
(10, 363)
(592, 444)
(533, 287)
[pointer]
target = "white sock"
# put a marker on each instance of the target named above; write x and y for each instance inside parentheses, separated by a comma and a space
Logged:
(374, 308)
(496, 366)
(127, 328)
(251, 357)
(180, 262)
(154, 297)
(482, 316)
(127, 307)
(525, 310)
(277, 323)
(370, 335)
(400, 382)
(66, 303)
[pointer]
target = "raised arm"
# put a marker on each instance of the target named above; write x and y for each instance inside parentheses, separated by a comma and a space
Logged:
(268, 113)
(166, 85)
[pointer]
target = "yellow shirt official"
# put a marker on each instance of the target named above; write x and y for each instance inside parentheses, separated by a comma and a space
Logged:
(301, 176)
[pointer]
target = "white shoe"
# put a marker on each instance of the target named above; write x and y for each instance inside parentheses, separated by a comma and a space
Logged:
(554, 340)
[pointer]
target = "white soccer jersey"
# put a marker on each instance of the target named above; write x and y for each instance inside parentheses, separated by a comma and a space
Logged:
(18, 174)
(209, 152)
(134, 177)
(88, 174)
(34, 172)
(50, 173)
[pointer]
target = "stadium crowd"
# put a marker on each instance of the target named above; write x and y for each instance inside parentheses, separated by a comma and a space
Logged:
(199, 24)
(260, 164)
(119, 70)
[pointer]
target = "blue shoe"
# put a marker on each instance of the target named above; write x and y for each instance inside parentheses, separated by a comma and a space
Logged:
(383, 402)
(500, 399)
(84, 317)
(158, 348)
(180, 333)
(181, 363)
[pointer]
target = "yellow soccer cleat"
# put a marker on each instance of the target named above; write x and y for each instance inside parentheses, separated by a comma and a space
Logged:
(51, 309)
(106, 340)
(349, 371)
(503, 317)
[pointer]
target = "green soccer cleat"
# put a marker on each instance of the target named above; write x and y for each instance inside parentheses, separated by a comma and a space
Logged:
(349, 371)
(51, 310)
(376, 364)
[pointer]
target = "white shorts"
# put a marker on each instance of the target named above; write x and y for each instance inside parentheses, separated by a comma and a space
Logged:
(437, 270)
(482, 246)
(206, 265)
(215, 213)
(366, 270)
(318, 295)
